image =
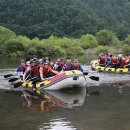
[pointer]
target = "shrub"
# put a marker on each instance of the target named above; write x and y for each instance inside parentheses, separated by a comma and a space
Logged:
(102, 49)
(88, 41)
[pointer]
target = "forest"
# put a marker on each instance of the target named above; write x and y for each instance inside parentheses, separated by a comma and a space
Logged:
(64, 27)
(65, 18)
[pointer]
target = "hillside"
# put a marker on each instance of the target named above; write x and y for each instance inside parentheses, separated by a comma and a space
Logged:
(114, 13)
(71, 18)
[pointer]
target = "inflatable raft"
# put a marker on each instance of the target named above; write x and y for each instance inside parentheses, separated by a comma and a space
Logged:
(63, 80)
(96, 66)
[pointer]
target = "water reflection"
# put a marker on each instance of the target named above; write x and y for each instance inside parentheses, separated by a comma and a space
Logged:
(65, 98)
(57, 124)
(121, 85)
(109, 110)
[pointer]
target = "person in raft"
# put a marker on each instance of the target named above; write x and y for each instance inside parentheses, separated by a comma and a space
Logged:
(127, 62)
(45, 71)
(121, 61)
(31, 71)
(59, 64)
(68, 65)
(21, 68)
(76, 65)
(101, 60)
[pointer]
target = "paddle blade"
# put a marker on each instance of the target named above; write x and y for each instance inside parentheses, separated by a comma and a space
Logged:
(85, 73)
(16, 85)
(8, 75)
(94, 78)
(13, 79)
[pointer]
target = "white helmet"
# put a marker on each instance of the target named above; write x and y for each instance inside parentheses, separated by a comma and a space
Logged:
(120, 55)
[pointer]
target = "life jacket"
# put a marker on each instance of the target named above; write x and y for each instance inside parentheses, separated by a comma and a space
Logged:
(123, 62)
(114, 60)
(22, 68)
(75, 67)
(46, 71)
(34, 70)
(60, 66)
(102, 60)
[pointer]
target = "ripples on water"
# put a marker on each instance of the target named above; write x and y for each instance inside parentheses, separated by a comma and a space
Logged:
(103, 105)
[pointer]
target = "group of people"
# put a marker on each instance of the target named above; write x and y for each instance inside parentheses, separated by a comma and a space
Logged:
(118, 61)
(41, 69)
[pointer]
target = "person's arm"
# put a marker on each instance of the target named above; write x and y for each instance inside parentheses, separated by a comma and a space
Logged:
(106, 60)
(24, 75)
(41, 73)
(80, 68)
(26, 72)
(53, 71)
(127, 65)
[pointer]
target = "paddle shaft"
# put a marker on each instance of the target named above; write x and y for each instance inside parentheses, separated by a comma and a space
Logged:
(8, 75)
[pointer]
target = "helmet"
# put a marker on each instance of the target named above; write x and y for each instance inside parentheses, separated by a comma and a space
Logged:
(22, 61)
(40, 61)
(120, 55)
(47, 59)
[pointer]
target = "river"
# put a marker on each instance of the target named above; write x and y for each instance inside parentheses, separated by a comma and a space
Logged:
(102, 105)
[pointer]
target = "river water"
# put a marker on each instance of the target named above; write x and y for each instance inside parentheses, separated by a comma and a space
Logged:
(102, 105)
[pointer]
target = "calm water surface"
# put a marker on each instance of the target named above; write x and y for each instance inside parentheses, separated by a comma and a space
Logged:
(102, 105)
(102, 108)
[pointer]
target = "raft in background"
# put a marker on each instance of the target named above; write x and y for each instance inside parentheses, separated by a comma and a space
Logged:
(63, 80)
(96, 66)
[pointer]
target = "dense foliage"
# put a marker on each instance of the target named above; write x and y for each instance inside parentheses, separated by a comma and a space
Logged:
(44, 18)
(114, 13)
(104, 41)
(65, 18)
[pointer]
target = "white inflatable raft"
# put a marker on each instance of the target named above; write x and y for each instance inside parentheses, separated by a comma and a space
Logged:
(63, 80)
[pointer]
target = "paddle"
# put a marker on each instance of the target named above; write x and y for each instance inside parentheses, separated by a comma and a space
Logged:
(8, 75)
(91, 77)
(13, 79)
(94, 78)
(106, 65)
(18, 84)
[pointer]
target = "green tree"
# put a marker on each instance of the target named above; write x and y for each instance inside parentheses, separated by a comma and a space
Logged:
(88, 41)
(106, 37)
(13, 45)
(5, 34)
(127, 40)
